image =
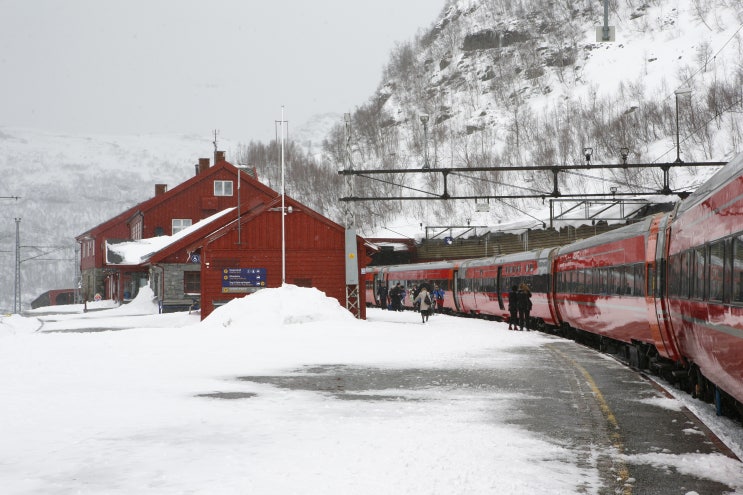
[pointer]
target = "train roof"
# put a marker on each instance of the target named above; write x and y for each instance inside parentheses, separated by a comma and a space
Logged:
(620, 234)
(727, 173)
(430, 265)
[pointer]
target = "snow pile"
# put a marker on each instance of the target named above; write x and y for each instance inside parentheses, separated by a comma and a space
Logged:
(17, 324)
(287, 305)
(145, 303)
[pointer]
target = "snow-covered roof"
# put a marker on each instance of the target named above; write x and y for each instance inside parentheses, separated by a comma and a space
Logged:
(137, 252)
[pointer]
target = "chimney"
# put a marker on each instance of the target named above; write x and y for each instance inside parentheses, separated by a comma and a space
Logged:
(203, 165)
(218, 157)
(160, 189)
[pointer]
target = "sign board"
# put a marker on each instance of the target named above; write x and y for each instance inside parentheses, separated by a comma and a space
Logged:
(352, 262)
(448, 240)
(242, 280)
(600, 34)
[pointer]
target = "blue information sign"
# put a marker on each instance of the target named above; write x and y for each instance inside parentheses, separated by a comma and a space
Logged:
(242, 279)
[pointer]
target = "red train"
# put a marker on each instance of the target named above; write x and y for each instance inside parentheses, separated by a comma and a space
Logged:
(665, 293)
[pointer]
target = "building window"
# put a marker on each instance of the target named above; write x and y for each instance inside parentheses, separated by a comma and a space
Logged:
(223, 188)
(137, 231)
(192, 283)
(179, 224)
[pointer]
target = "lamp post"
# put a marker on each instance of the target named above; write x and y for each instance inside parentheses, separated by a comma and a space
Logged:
(624, 153)
(424, 121)
(680, 91)
(587, 152)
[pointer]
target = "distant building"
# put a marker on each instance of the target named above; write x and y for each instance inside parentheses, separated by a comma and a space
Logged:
(56, 297)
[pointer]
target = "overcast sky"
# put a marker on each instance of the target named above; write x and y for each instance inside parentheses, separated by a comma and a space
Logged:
(186, 66)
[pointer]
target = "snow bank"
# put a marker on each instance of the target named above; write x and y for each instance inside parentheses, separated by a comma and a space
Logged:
(17, 324)
(288, 305)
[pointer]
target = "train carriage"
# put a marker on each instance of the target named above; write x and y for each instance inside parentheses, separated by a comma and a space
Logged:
(600, 284)
(484, 284)
(439, 273)
(705, 280)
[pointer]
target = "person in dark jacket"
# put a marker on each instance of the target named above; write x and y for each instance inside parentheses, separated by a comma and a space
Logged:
(382, 296)
(396, 298)
(438, 295)
(513, 319)
(523, 306)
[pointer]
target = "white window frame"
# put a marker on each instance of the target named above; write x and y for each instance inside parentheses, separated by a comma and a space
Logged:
(178, 224)
(223, 188)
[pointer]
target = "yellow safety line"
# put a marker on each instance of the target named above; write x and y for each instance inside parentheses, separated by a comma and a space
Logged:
(615, 436)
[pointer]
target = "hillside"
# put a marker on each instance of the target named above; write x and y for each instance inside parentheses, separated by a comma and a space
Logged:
(526, 83)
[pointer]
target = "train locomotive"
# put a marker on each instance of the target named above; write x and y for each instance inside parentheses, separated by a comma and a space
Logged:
(664, 293)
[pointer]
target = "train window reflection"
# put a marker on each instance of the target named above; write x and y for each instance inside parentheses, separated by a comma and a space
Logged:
(639, 279)
(685, 274)
(716, 270)
(737, 269)
(697, 280)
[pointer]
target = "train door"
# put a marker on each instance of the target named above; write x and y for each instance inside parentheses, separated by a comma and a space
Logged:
(500, 288)
(455, 291)
(655, 290)
(552, 286)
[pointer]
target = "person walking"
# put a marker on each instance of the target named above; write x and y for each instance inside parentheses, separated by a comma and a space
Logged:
(513, 318)
(425, 302)
(413, 295)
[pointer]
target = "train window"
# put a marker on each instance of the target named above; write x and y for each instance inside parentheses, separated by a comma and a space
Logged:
(674, 267)
(617, 280)
(737, 275)
(698, 272)
(639, 279)
(716, 270)
(685, 274)
(539, 283)
(629, 280)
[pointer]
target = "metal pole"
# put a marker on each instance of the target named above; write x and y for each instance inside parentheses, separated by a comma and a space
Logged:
(680, 91)
(283, 210)
(605, 29)
(17, 298)
(678, 145)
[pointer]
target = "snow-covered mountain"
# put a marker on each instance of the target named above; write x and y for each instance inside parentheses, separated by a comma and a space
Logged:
(527, 83)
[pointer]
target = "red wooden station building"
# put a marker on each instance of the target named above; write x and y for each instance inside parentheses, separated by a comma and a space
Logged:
(208, 241)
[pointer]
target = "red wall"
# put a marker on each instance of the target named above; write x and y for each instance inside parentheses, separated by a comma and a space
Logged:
(315, 253)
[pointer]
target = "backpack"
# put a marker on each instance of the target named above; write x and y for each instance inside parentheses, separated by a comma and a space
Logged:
(427, 300)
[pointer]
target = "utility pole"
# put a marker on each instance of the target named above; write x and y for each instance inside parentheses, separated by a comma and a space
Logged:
(17, 299)
(353, 301)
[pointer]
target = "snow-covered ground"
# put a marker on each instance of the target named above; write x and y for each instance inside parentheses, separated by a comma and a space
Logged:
(157, 405)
